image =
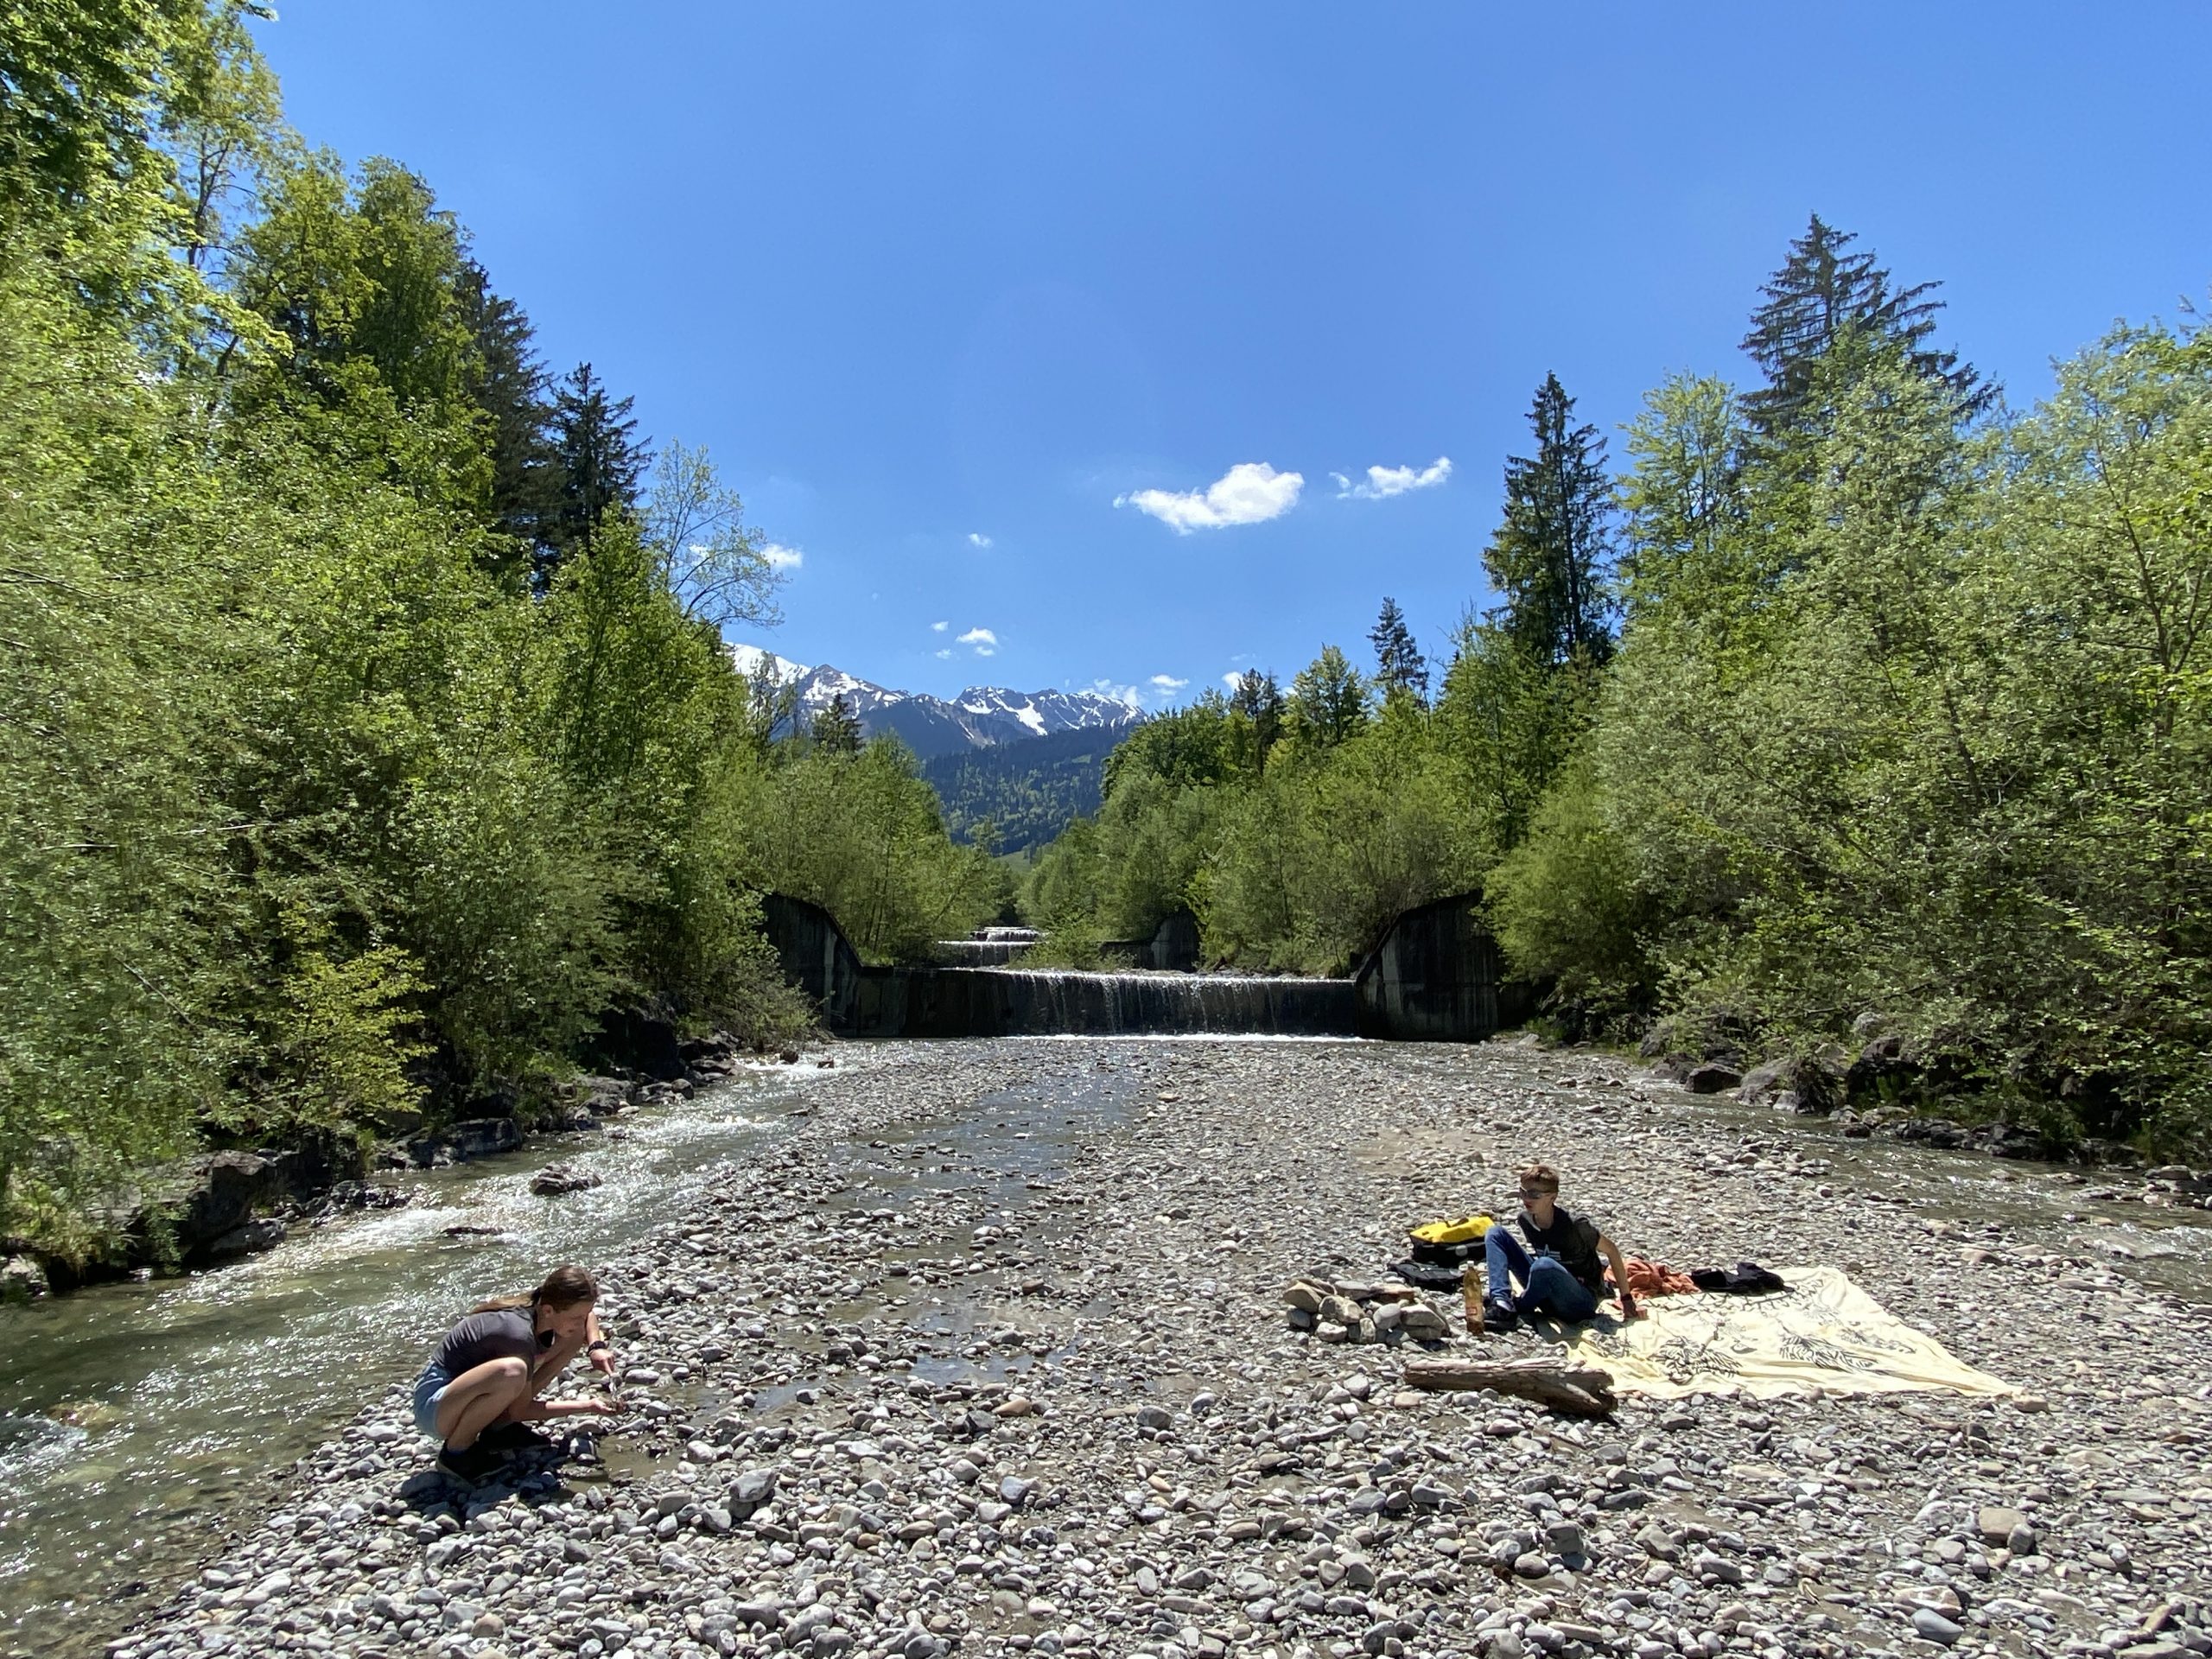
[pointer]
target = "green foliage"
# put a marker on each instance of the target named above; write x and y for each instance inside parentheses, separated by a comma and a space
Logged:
(836, 729)
(860, 834)
(1190, 747)
(1296, 864)
(1329, 703)
(311, 814)
(1567, 908)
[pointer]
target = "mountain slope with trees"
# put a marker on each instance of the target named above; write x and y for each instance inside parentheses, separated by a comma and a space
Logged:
(1013, 795)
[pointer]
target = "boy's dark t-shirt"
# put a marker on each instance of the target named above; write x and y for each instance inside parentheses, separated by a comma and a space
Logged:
(1572, 1239)
(509, 1333)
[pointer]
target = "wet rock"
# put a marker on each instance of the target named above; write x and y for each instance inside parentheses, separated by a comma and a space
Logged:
(262, 1233)
(1711, 1077)
(555, 1179)
(476, 1137)
(21, 1280)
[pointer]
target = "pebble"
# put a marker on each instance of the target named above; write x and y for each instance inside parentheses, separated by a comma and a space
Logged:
(962, 1370)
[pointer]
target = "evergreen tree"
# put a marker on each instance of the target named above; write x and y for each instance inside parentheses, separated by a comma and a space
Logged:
(1552, 558)
(598, 463)
(836, 729)
(1825, 297)
(1399, 666)
(1260, 700)
(508, 385)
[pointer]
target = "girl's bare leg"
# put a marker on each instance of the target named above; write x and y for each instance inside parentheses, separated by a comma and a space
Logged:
(480, 1397)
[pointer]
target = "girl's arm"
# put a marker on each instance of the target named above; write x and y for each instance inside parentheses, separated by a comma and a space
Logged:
(597, 1350)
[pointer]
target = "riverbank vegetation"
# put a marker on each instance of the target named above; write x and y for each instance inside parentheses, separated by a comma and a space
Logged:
(1855, 701)
(369, 735)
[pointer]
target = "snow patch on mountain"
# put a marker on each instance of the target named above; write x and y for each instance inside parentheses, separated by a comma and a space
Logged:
(981, 717)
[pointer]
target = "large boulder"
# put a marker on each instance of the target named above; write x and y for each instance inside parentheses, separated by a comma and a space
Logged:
(1711, 1077)
(475, 1137)
(1886, 1059)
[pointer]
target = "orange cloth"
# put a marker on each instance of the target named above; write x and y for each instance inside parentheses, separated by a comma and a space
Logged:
(1655, 1279)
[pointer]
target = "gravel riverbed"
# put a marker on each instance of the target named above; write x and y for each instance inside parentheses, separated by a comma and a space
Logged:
(993, 1357)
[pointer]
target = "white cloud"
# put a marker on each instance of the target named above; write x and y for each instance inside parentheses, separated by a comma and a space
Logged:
(780, 557)
(943, 655)
(939, 627)
(983, 640)
(1128, 693)
(976, 538)
(1250, 492)
(1166, 684)
(1232, 679)
(1383, 482)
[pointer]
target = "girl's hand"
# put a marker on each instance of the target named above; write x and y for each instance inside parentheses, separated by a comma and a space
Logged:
(602, 1361)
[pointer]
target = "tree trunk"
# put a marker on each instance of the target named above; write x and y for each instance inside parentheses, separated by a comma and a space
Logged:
(1576, 1390)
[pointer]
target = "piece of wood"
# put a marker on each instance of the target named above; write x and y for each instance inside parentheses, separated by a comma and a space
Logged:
(1577, 1391)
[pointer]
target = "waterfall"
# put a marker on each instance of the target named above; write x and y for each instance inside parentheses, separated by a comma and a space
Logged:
(1019, 1001)
(981, 953)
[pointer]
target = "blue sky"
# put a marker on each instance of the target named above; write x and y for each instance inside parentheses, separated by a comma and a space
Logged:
(939, 285)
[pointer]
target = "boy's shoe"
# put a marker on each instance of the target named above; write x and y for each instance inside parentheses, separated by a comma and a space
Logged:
(1499, 1318)
(472, 1466)
(515, 1437)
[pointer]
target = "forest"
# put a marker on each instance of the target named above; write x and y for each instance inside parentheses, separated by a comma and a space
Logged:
(1854, 701)
(369, 737)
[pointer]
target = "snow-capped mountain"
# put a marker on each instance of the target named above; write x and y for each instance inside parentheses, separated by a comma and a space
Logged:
(980, 717)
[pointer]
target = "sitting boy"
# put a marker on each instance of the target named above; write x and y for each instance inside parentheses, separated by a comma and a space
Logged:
(1559, 1269)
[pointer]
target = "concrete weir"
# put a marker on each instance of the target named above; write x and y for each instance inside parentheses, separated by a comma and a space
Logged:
(1434, 978)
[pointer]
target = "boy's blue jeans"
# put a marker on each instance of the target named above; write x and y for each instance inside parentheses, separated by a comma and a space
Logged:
(1550, 1289)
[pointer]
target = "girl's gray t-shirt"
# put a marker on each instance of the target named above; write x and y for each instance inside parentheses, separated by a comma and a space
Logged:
(510, 1333)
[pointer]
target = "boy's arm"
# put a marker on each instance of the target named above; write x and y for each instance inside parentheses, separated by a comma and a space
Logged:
(1613, 1258)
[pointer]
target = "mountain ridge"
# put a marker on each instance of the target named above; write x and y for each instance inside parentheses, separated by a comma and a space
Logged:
(981, 717)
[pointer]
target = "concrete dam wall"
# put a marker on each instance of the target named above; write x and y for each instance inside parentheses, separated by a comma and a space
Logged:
(1434, 978)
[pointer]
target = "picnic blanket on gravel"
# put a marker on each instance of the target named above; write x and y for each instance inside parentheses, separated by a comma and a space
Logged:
(1822, 1335)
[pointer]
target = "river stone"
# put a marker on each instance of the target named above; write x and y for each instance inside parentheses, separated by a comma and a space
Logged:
(555, 1179)
(1934, 1626)
(1995, 1524)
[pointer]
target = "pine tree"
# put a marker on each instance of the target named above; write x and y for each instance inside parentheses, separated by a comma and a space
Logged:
(598, 460)
(1260, 700)
(1821, 298)
(836, 729)
(508, 384)
(1552, 558)
(1399, 666)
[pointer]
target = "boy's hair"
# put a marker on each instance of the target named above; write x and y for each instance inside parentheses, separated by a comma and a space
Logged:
(1542, 1177)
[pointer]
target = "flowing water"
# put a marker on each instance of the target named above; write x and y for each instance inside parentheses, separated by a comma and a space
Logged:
(137, 1421)
(1023, 1001)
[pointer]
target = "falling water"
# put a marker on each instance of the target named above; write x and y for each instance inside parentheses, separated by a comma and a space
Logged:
(1024, 1002)
(981, 953)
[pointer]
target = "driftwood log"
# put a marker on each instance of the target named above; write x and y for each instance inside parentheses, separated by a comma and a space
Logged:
(1577, 1391)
